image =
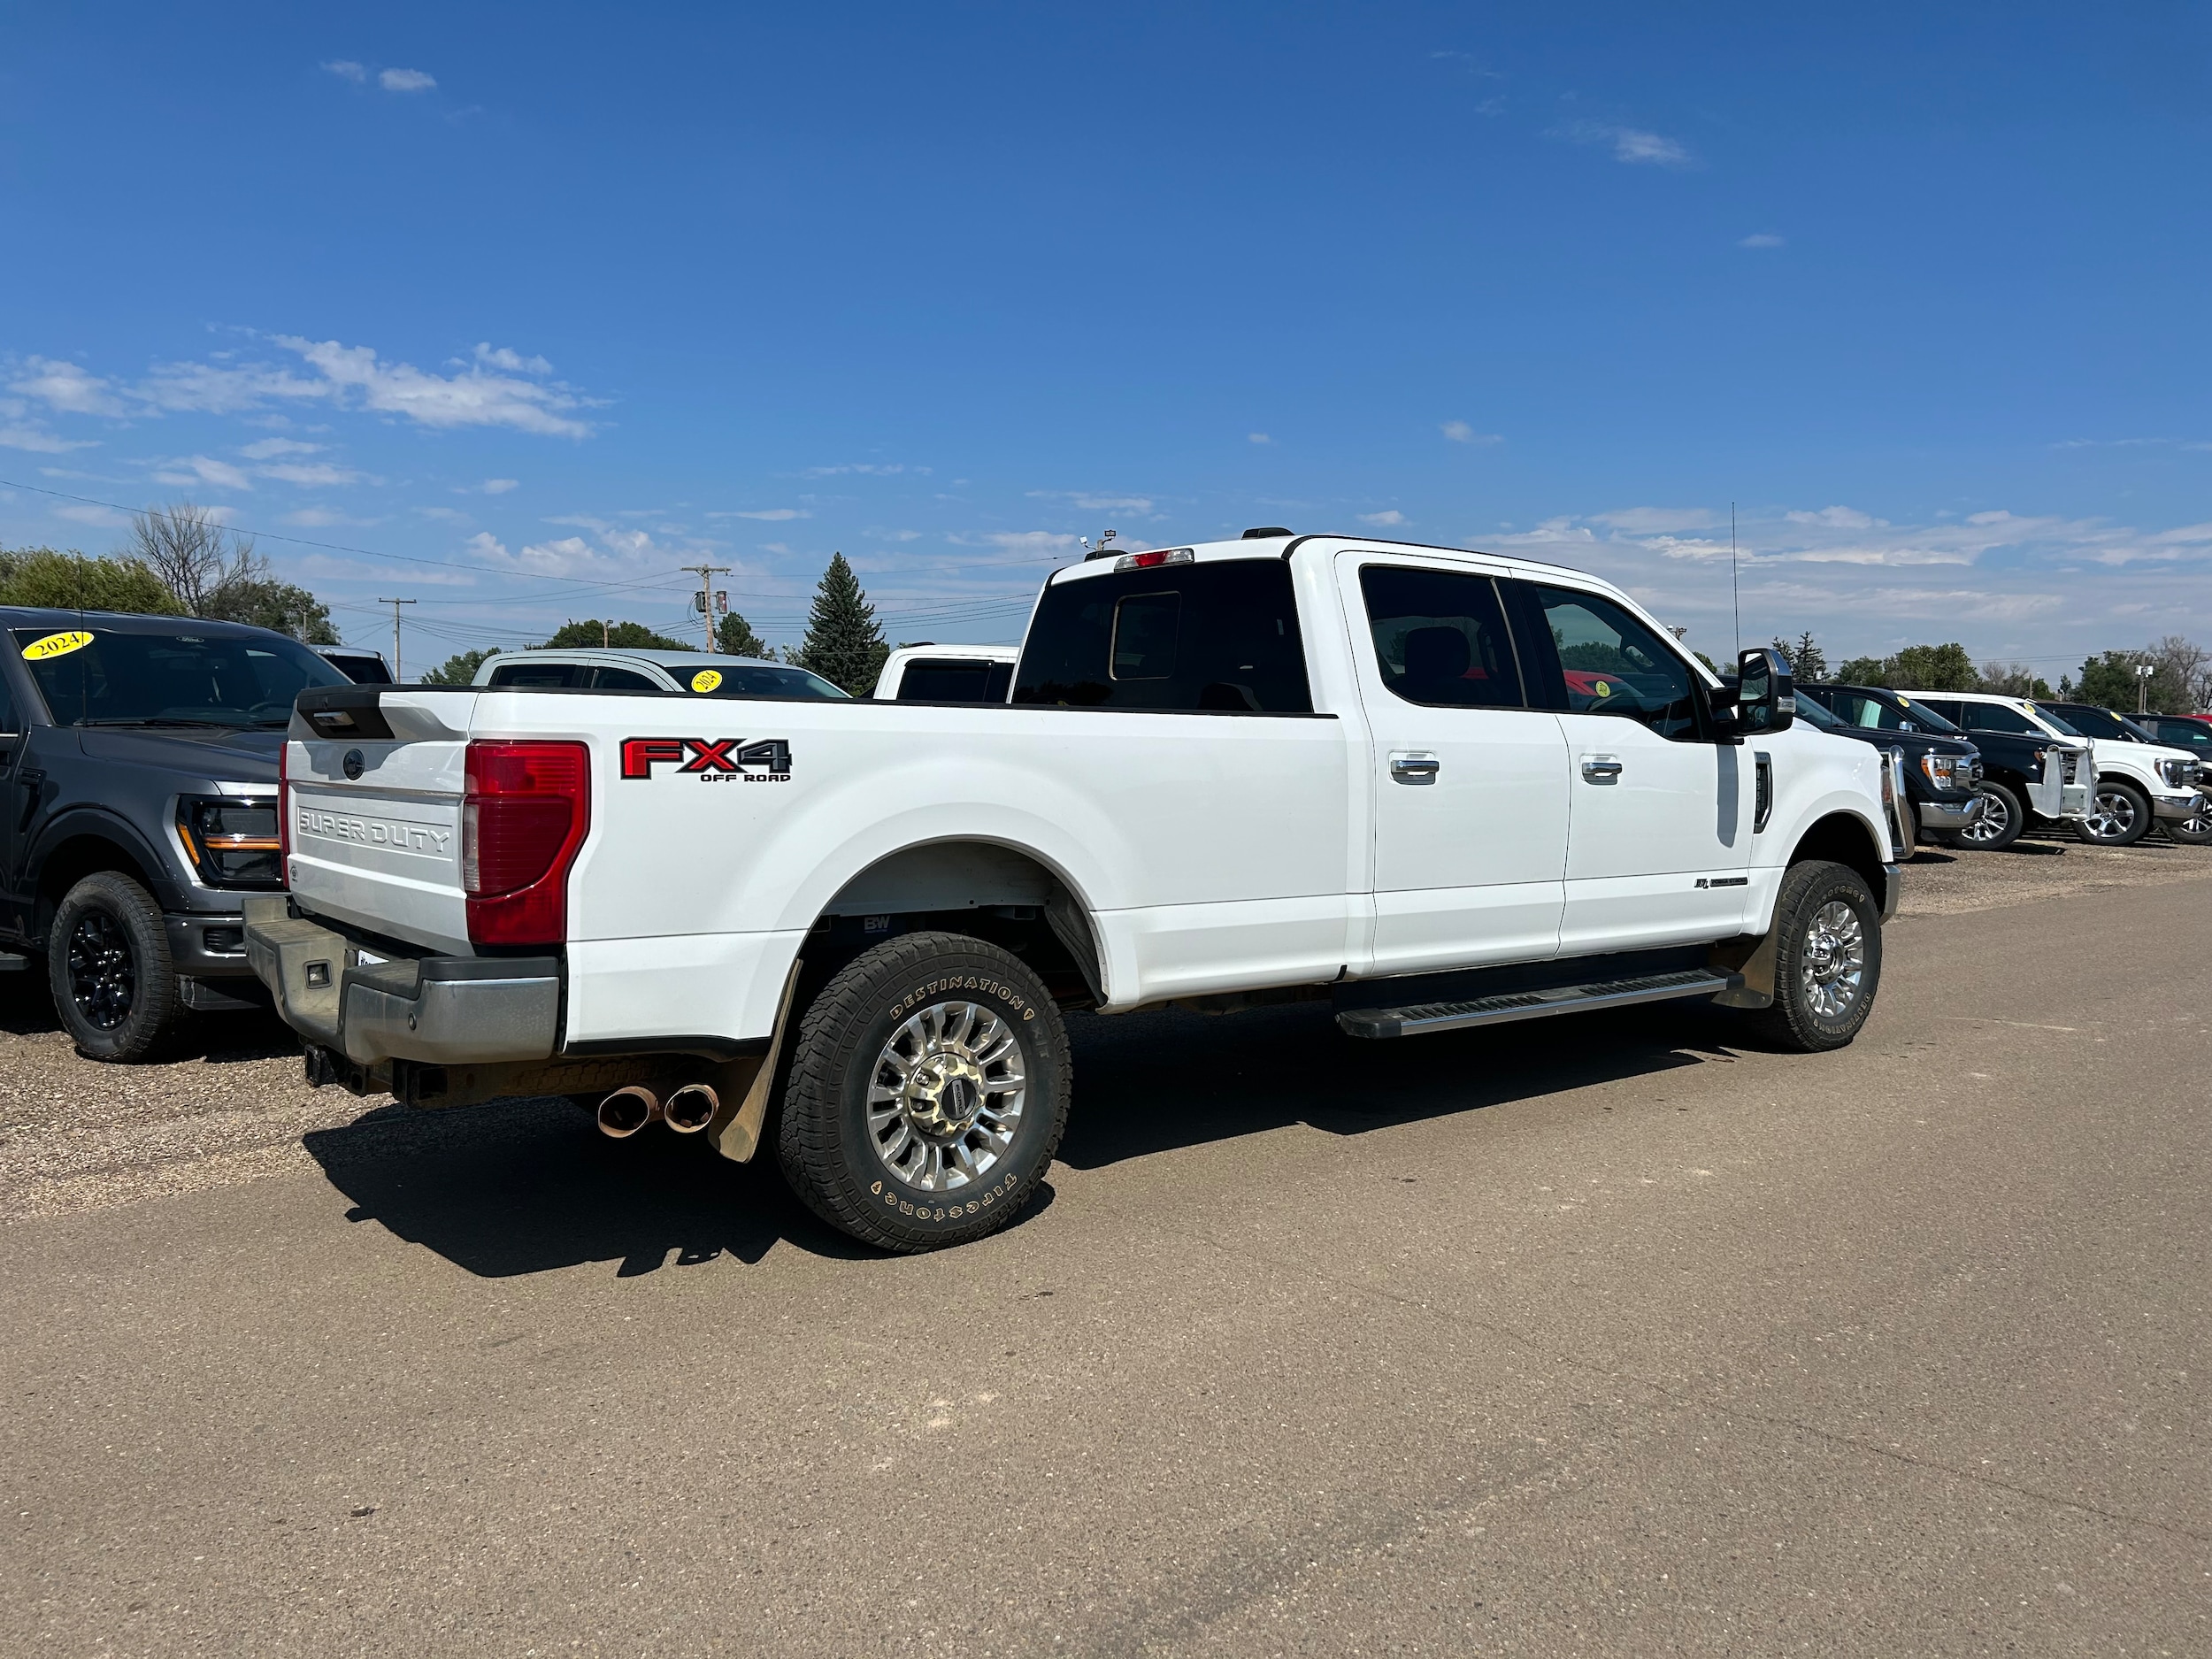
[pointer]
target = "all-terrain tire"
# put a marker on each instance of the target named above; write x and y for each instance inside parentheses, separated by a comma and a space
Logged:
(927, 1091)
(1823, 910)
(2119, 814)
(2004, 817)
(108, 964)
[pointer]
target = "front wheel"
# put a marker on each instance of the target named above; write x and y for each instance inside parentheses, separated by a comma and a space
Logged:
(2196, 829)
(107, 962)
(2119, 814)
(929, 1085)
(2002, 819)
(1827, 959)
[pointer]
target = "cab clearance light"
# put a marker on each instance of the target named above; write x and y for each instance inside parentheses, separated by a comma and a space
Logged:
(1152, 559)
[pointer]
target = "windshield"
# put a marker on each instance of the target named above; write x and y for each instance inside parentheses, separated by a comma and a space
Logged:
(1810, 710)
(1892, 713)
(2056, 721)
(754, 680)
(96, 676)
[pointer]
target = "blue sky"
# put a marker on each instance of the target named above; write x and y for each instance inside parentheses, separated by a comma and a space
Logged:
(531, 306)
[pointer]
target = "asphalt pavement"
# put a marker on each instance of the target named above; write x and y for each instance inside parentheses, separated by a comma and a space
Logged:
(1593, 1335)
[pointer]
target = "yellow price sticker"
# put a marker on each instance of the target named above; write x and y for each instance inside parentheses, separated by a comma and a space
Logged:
(56, 645)
(1604, 690)
(706, 679)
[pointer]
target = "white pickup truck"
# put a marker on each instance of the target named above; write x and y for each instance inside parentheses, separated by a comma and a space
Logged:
(1436, 789)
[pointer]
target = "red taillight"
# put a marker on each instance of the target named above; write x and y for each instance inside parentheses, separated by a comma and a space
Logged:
(526, 814)
(284, 813)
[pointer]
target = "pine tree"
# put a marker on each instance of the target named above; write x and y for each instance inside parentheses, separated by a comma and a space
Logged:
(733, 636)
(843, 644)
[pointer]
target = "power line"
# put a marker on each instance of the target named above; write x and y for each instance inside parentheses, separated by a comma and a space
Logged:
(396, 604)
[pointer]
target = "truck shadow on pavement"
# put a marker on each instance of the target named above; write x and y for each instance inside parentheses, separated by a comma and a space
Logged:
(1150, 1083)
(525, 1186)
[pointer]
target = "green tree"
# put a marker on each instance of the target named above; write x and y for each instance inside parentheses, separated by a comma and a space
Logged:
(2015, 679)
(459, 669)
(630, 636)
(734, 637)
(1863, 671)
(266, 603)
(843, 644)
(70, 581)
(1931, 668)
(1805, 657)
(2176, 682)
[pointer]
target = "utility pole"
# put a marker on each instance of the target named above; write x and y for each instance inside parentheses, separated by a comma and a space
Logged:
(396, 604)
(2143, 672)
(706, 574)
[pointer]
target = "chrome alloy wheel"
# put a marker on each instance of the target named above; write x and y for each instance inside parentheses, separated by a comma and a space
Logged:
(2111, 815)
(946, 1096)
(1834, 961)
(1991, 823)
(103, 975)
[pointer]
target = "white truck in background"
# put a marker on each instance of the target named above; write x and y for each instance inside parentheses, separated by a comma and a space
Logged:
(1435, 788)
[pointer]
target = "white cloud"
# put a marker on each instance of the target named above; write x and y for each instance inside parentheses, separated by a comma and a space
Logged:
(499, 485)
(1552, 533)
(1035, 542)
(84, 513)
(1649, 520)
(202, 469)
(1258, 437)
(269, 449)
(868, 468)
(1761, 239)
(346, 69)
(767, 515)
(20, 436)
(474, 399)
(1460, 432)
(1835, 518)
(405, 80)
(314, 474)
(1090, 502)
(491, 356)
(1630, 144)
(67, 389)
(443, 515)
(1392, 516)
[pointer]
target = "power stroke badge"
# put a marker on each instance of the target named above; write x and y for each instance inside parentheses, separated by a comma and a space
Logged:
(709, 759)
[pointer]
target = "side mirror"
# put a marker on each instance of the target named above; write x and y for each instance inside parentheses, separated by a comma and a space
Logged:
(1727, 723)
(1765, 702)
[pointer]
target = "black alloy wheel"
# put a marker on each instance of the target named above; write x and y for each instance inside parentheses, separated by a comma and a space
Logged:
(109, 968)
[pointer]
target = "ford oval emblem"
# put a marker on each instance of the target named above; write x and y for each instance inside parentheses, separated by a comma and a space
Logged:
(352, 762)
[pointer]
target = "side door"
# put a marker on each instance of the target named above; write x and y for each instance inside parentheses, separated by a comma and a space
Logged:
(14, 808)
(1469, 783)
(1659, 813)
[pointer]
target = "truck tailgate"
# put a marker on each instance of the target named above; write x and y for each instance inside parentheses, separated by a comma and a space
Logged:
(374, 786)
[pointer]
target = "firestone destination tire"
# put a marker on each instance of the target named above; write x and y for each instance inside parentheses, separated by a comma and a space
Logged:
(928, 1088)
(1827, 961)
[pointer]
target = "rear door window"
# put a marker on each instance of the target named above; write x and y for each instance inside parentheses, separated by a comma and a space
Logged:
(1441, 638)
(1219, 637)
(955, 680)
(620, 679)
(1996, 716)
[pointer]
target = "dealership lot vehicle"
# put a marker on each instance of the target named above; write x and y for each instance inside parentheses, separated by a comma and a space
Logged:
(1207, 789)
(1940, 773)
(2029, 775)
(138, 760)
(2170, 775)
(947, 674)
(362, 666)
(2134, 783)
(699, 673)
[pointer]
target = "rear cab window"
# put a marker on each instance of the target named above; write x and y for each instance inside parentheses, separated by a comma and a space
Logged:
(1220, 637)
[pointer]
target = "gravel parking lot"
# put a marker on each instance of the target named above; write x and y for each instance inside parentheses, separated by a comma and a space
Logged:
(1637, 1342)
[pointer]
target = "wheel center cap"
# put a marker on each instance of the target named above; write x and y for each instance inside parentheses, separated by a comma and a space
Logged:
(943, 1094)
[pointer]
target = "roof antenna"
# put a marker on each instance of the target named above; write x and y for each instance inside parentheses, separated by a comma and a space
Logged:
(1734, 593)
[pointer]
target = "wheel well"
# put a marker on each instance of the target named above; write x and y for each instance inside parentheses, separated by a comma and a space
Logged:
(993, 892)
(71, 862)
(1844, 840)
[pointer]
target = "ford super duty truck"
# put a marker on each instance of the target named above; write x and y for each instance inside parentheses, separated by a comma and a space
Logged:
(1433, 789)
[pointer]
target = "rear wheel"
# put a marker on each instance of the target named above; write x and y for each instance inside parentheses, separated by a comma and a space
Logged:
(2002, 819)
(1827, 959)
(107, 961)
(928, 1088)
(2119, 814)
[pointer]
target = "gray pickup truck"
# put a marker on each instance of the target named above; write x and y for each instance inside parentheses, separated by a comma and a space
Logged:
(138, 782)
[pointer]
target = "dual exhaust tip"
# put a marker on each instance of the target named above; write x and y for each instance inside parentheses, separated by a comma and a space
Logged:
(686, 1110)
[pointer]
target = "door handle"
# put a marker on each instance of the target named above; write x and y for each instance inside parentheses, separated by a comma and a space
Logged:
(1601, 769)
(1415, 768)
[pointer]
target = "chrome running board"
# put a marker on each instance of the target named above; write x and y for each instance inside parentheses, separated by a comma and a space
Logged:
(1559, 999)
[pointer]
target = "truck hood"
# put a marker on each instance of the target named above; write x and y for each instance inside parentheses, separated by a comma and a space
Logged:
(230, 754)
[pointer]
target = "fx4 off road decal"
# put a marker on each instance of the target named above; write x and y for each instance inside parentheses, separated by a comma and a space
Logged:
(709, 759)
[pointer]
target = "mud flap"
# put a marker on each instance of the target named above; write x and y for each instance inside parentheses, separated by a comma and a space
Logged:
(735, 1131)
(1753, 958)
